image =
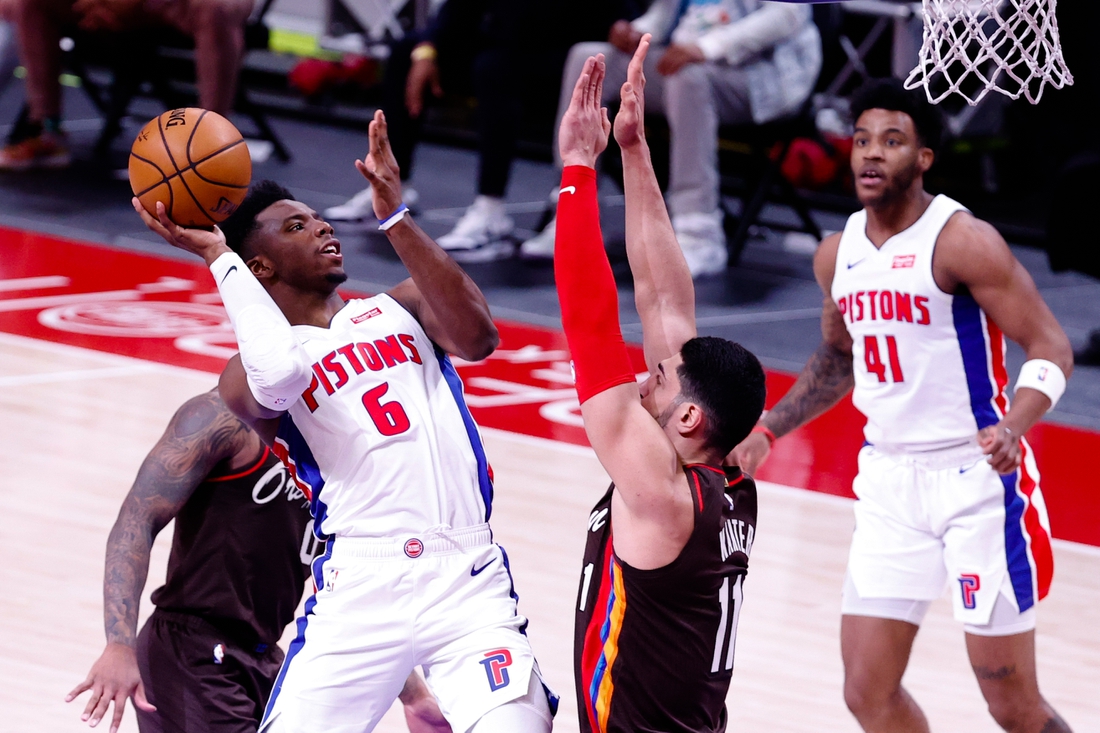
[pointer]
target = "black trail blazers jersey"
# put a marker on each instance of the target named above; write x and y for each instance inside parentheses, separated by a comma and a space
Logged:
(241, 552)
(654, 649)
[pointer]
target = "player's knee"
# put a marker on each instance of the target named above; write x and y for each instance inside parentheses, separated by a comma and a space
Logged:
(1013, 712)
(530, 713)
(864, 696)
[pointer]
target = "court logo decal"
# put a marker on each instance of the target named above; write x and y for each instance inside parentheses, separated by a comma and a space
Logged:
(496, 665)
(414, 548)
(969, 584)
(140, 319)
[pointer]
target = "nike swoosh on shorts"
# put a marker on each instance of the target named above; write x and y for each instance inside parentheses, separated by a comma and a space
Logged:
(477, 571)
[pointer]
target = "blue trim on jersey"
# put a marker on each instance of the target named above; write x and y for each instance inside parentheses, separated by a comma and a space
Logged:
(306, 466)
(975, 355)
(551, 699)
(1020, 571)
(455, 384)
(292, 651)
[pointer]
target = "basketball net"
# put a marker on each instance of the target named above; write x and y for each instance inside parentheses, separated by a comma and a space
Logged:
(974, 46)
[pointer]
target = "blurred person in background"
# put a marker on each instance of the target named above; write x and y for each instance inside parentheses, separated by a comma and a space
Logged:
(509, 55)
(217, 27)
(714, 62)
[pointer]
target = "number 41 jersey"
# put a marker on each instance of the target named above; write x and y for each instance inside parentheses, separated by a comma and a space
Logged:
(653, 649)
(382, 442)
(929, 366)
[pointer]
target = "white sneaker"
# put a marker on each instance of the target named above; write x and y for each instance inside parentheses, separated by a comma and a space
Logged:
(541, 246)
(361, 205)
(703, 242)
(483, 224)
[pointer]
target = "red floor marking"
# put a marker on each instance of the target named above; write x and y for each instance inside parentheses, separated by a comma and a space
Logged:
(168, 311)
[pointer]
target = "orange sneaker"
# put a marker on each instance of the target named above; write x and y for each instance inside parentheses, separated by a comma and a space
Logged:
(46, 150)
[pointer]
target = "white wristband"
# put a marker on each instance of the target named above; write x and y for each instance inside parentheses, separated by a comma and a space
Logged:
(275, 362)
(393, 218)
(1043, 376)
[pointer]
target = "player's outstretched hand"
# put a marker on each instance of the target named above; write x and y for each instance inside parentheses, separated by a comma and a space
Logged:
(630, 121)
(206, 243)
(750, 453)
(113, 678)
(1002, 446)
(380, 167)
(585, 126)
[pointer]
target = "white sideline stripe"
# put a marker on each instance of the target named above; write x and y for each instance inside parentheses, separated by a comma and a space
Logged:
(579, 450)
(77, 375)
(32, 283)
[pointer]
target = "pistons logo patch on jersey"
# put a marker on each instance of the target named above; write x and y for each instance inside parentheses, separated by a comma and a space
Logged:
(969, 585)
(496, 665)
(902, 262)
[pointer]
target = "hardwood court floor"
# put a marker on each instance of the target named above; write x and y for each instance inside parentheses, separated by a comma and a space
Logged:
(75, 424)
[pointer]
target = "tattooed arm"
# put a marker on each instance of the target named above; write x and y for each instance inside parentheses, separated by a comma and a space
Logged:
(826, 377)
(202, 434)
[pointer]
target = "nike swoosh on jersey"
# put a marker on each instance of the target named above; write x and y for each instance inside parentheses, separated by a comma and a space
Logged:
(853, 264)
(568, 189)
(231, 269)
(477, 570)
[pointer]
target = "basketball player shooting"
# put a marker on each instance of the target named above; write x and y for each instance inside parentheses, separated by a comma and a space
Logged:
(362, 403)
(668, 544)
(919, 295)
(207, 658)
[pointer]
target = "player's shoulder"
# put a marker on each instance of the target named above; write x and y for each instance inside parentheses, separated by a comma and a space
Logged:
(825, 258)
(203, 413)
(969, 246)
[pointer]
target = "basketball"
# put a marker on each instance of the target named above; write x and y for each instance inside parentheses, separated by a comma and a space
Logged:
(193, 161)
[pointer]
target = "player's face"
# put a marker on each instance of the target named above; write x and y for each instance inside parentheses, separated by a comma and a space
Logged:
(660, 392)
(887, 156)
(301, 246)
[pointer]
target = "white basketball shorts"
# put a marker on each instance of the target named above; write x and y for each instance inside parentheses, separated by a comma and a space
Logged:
(926, 520)
(444, 600)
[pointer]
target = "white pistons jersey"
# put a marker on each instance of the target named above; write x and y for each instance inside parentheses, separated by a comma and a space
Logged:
(929, 366)
(382, 441)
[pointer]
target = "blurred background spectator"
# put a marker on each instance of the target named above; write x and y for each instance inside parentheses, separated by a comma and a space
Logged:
(507, 54)
(716, 62)
(217, 27)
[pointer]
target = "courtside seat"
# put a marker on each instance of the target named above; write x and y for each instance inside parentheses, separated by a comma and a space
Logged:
(114, 68)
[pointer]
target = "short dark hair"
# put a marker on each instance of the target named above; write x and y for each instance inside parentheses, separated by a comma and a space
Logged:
(727, 382)
(891, 94)
(242, 222)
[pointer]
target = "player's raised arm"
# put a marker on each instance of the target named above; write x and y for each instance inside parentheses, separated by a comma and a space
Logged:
(446, 301)
(825, 379)
(971, 254)
(663, 290)
(200, 435)
(651, 489)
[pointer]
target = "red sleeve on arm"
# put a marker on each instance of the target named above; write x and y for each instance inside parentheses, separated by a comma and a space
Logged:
(586, 288)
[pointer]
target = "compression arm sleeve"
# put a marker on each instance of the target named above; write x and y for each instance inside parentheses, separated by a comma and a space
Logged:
(276, 364)
(586, 288)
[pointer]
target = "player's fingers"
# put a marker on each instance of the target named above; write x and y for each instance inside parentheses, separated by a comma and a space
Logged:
(92, 702)
(367, 172)
(101, 708)
(79, 689)
(120, 707)
(140, 701)
(577, 100)
(596, 88)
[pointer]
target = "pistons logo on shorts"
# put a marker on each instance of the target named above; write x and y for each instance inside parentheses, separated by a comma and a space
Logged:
(969, 584)
(414, 548)
(496, 665)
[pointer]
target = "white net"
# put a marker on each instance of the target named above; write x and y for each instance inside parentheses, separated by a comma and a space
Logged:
(972, 47)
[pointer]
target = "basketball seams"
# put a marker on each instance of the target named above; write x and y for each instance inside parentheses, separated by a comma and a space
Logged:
(201, 182)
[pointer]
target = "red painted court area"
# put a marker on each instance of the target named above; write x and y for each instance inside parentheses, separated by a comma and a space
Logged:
(169, 311)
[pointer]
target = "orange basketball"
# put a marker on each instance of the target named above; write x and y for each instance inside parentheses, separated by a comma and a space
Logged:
(193, 161)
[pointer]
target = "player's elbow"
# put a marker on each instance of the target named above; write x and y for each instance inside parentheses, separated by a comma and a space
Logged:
(483, 343)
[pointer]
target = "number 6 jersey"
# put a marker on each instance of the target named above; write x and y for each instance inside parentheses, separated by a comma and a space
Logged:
(929, 366)
(653, 649)
(382, 442)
